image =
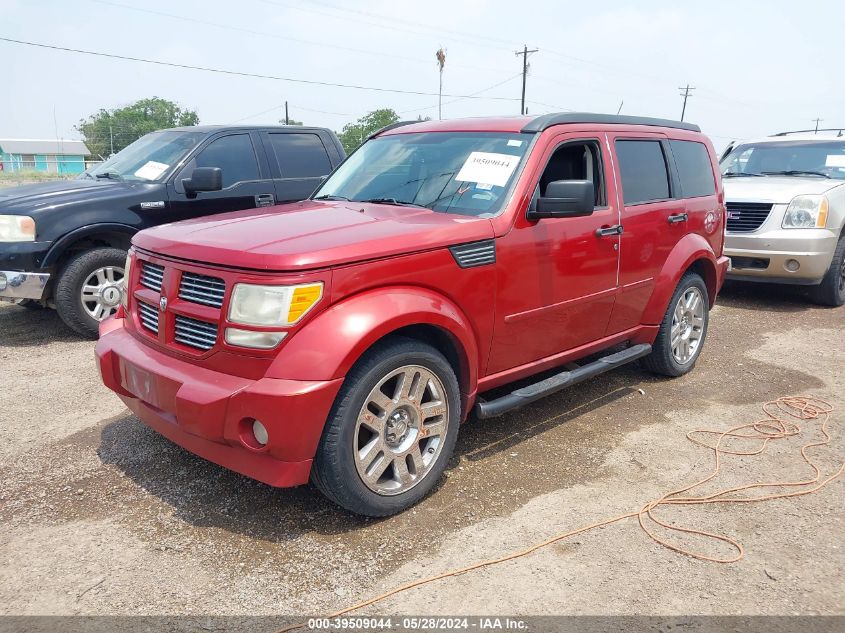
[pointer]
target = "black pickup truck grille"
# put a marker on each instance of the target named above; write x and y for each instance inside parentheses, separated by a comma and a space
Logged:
(744, 217)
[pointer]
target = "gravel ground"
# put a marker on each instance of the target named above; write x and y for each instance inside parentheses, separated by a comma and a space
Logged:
(100, 515)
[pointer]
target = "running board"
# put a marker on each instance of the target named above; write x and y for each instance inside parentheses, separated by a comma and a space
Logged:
(531, 393)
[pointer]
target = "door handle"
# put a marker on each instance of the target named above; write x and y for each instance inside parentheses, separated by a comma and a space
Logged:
(265, 200)
(605, 231)
(678, 217)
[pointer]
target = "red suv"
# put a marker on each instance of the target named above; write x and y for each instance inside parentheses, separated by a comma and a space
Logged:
(343, 339)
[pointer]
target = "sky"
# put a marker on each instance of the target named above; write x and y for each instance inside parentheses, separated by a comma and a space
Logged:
(758, 67)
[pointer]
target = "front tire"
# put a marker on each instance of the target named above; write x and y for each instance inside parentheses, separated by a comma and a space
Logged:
(683, 329)
(831, 291)
(88, 289)
(391, 431)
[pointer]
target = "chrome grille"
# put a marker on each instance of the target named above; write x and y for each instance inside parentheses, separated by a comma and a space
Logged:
(152, 275)
(149, 316)
(744, 217)
(193, 333)
(202, 289)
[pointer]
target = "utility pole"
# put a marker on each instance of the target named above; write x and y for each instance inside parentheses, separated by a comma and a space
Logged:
(525, 53)
(286, 113)
(817, 124)
(686, 95)
(111, 139)
(441, 62)
(621, 103)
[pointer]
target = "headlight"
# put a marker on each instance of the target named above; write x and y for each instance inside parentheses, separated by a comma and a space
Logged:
(17, 228)
(806, 212)
(272, 305)
(124, 284)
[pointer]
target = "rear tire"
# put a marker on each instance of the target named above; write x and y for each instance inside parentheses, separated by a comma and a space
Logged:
(831, 291)
(85, 292)
(391, 430)
(683, 329)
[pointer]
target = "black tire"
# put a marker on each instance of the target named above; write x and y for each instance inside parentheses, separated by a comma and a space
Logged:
(831, 291)
(334, 471)
(67, 294)
(662, 360)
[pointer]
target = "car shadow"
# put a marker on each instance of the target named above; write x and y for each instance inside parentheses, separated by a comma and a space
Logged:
(206, 495)
(24, 327)
(745, 295)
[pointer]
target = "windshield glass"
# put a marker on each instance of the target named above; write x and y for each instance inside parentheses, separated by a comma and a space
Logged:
(150, 158)
(467, 173)
(787, 158)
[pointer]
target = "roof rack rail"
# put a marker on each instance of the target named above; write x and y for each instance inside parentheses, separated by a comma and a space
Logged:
(545, 121)
(839, 131)
(392, 126)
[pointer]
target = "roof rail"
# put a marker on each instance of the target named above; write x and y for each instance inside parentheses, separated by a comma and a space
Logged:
(839, 131)
(392, 126)
(545, 121)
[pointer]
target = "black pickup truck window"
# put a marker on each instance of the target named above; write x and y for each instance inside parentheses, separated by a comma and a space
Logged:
(300, 155)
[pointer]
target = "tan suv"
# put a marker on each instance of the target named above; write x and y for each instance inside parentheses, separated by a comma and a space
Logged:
(785, 197)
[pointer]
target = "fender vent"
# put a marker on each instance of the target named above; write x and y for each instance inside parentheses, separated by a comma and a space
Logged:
(474, 254)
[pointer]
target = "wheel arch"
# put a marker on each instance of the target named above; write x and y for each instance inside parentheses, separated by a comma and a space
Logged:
(112, 235)
(330, 344)
(691, 253)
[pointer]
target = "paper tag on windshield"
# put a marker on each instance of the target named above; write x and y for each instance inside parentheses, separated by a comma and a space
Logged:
(835, 160)
(151, 170)
(488, 168)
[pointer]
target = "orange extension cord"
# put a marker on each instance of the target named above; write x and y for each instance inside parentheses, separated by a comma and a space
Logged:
(782, 421)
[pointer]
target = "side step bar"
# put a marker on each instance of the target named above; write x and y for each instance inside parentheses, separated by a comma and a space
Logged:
(531, 393)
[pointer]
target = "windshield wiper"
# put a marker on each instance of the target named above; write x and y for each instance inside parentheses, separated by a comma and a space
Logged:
(401, 203)
(111, 175)
(796, 172)
(330, 197)
(739, 173)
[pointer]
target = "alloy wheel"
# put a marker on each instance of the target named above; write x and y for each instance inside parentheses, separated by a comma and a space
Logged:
(687, 325)
(102, 291)
(400, 430)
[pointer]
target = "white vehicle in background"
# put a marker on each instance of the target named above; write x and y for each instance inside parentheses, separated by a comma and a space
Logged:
(785, 196)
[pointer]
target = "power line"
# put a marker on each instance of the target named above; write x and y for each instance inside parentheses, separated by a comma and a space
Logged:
(312, 82)
(483, 90)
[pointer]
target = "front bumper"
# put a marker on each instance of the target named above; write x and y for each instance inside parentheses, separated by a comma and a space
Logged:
(210, 413)
(16, 285)
(797, 256)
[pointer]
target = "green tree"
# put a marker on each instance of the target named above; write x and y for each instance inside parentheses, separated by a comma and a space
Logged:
(291, 122)
(353, 134)
(110, 131)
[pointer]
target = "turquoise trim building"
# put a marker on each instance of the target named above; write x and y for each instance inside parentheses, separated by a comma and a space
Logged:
(49, 156)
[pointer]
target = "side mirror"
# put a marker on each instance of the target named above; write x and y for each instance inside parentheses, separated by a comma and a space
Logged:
(204, 179)
(565, 199)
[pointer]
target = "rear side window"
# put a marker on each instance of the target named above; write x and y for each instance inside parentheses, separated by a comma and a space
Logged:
(643, 170)
(300, 155)
(694, 168)
(234, 155)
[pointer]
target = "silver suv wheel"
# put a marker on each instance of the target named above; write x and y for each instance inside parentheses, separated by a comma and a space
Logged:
(687, 325)
(101, 292)
(401, 430)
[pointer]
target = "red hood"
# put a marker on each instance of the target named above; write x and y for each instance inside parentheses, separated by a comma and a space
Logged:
(311, 234)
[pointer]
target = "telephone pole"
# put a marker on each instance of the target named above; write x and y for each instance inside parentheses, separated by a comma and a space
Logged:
(686, 95)
(817, 124)
(286, 113)
(525, 53)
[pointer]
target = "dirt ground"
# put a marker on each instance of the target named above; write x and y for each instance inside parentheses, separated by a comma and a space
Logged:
(100, 515)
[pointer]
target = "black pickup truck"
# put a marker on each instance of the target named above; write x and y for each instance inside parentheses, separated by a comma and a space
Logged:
(63, 244)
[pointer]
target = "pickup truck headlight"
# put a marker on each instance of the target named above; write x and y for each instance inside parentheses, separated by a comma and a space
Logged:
(272, 305)
(806, 212)
(17, 228)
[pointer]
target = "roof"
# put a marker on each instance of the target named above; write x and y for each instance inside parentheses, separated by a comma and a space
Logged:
(216, 128)
(531, 124)
(794, 138)
(43, 146)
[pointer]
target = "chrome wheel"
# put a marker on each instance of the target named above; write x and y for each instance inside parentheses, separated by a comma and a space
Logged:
(102, 291)
(687, 325)
(401, 430)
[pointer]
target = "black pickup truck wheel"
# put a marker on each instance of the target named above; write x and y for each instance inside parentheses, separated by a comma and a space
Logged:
(89, 289)
(831, 291)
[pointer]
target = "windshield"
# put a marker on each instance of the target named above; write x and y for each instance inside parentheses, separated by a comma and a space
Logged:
(467, 173)
(148, 159)
(823, 159)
